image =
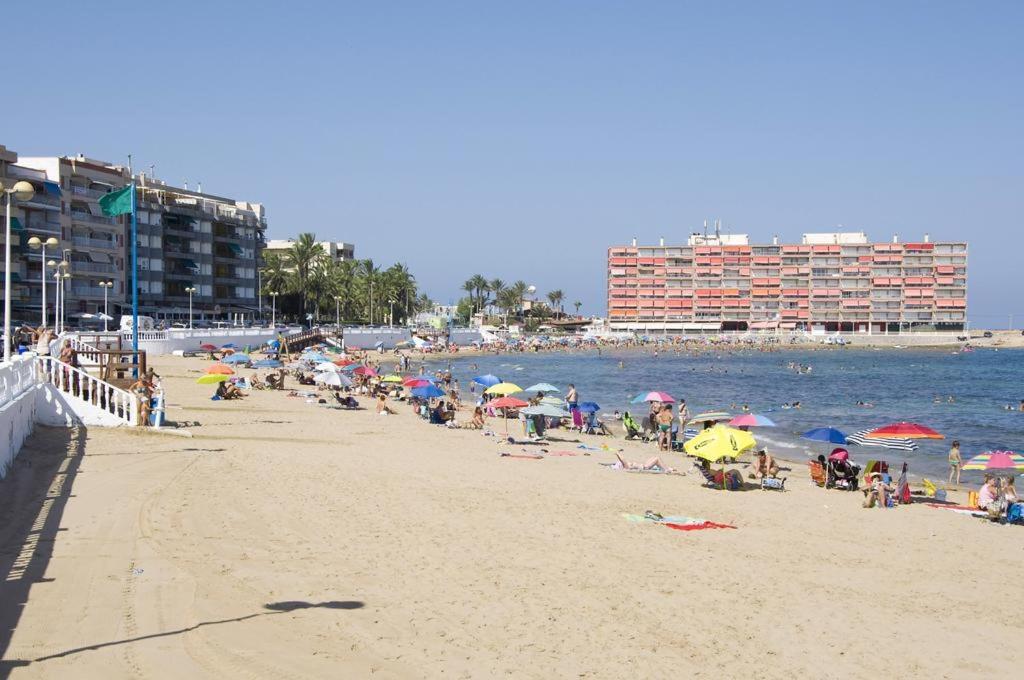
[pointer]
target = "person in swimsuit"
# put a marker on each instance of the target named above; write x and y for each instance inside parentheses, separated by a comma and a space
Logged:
(664, 420)
(955, 461)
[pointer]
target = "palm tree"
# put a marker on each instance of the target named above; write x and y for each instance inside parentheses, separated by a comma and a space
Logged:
(496, 286)
(508, 302)
(274, 274)
(370, 274)
(577, 305)
(555, 297)
(305, 256)
(470, 287)
(480, 287)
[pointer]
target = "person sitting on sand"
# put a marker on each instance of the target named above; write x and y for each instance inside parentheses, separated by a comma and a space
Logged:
(652, 464)
(731, 480)
(877, 492)
(226, 390)
(763, 465)
(988, 494)
(477, 423)
(382, 406)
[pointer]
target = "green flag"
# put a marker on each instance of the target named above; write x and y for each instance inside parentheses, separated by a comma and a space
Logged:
(117, 202)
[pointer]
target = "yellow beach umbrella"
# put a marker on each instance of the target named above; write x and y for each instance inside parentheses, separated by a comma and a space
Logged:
(718, 442)
(392, 378)
(212, 379)
(503, 389)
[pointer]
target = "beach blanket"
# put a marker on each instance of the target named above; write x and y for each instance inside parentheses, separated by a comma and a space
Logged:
(528, 456)
(565, 453)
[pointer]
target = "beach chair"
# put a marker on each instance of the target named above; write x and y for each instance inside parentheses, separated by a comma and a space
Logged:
(710, 481)
(817, 473)
(773, 483)
(879, 466)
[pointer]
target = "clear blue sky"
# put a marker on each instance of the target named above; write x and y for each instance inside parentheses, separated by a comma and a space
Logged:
(520, 140)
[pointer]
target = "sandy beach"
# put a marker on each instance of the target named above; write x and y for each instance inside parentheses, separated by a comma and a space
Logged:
(287, 539)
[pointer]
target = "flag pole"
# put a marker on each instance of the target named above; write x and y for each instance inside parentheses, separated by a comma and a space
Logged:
(135, 282)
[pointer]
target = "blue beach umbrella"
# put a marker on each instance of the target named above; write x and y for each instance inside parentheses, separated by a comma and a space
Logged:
(825, 434)
(314, 356)
(427, 392)
(351, 367)
(589, 407)
(267, 363)
(487, 380)
(235, 359)
(228, 345)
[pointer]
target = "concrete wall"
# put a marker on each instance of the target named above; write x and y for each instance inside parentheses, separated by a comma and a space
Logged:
(17, 407)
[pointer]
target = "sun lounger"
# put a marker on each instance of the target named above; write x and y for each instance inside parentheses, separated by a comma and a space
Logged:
(817, 472)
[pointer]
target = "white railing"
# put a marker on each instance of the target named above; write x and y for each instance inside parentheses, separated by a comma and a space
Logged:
(16, 377)
(79, 384)
(94, 242)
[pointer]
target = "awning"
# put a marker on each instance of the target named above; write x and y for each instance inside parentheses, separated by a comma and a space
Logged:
(190, 264)
(51, 188)
(16, 224)
(235, 248)
(702, 327)
(788, 325)
(764, 324)
(95, 209)
(99, 257)
(15, 277)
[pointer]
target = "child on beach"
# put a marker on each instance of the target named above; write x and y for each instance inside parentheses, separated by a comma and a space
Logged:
(955, 461)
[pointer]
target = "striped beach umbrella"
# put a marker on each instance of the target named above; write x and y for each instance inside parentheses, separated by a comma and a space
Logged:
(996, 460)
(861, 438)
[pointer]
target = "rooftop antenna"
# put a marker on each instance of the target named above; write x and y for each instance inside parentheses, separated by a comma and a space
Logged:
(718, 229)
(199, 187)
(185, 182)
(705, 228)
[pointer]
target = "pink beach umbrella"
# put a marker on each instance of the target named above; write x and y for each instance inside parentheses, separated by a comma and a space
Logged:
(663, 397)
(751, 420)
(365, 370)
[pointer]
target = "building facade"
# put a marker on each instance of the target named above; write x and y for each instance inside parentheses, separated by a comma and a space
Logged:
(337, 251)
(829, 282)
(193, 240)
(186, 239)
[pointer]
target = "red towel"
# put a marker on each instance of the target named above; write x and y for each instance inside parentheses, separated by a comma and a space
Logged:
(696, 527)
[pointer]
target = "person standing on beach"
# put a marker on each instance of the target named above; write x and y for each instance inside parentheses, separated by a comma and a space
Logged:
(572, 397)
(955, 461)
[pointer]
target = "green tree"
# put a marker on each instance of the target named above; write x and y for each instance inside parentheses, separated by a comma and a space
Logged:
(555, 297)
(577, 305)
(305, 257)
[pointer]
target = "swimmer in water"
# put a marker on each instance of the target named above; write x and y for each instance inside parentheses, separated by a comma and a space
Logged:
(621, 365)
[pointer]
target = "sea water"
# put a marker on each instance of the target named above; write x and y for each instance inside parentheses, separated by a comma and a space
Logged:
(900, 384)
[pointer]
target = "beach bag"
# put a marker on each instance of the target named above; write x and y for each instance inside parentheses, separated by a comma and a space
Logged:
(972, 499)
(1015, 513)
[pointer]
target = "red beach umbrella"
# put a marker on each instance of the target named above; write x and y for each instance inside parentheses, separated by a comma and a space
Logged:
(416, 382)
(508, 402)
(208, 347)
(906, 431)
(365, 370)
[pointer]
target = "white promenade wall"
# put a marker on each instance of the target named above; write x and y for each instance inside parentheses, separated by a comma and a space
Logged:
(18, 389)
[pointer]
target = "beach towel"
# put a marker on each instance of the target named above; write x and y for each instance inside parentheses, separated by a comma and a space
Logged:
(565, 453)
(679, 522)
(527, 456)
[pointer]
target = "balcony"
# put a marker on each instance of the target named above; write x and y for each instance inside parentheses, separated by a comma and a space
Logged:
(96, 267)
(94, 243)
(88, 291)
(85, 216)
(87, 192)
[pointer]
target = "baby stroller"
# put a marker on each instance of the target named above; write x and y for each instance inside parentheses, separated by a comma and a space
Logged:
(842, 473)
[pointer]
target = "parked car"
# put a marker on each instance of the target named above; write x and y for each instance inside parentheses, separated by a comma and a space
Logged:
(987, 334)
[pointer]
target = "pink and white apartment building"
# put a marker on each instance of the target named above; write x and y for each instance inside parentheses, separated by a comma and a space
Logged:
(829, 282)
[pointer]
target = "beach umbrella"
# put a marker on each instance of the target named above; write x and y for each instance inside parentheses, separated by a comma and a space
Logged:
(751, 420)
(392, 378)
(996, 460)
(861, 439)
(503, 389)
(589, 407)
(236, 359)
(427, 392)
(351, 367)
(663, 397)
(546, 410)
(211, 379)
(343, 362)
(316, 357)
(228, 345)
(487, 380)
(326, 366)
(542, 387)
(906, 431)
(508, 402)
(332, 379)
(365, 370)
(208, 347)
(829, 435)
(416, 382)
(714, 416)
(718, 442)
(267, 363)
(220, 369)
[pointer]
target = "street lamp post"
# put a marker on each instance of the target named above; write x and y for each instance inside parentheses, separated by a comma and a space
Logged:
(391, 315)
(337, 311)
(64, 276)
(273, 309)
(36, 242)
(106, 286)
(190, 290)
(23, 191)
